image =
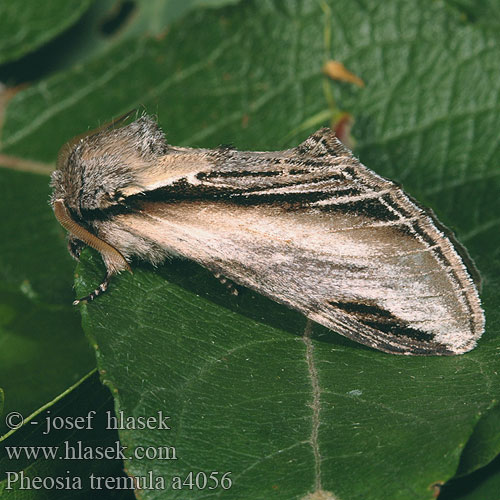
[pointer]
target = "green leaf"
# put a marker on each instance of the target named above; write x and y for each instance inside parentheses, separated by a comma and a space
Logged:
(482, 484)
(248, 387)
(247, 393)
(483, 12)
(84, 408)
(43, 350)
(154, 16)
(27, 25)
(484, 444)
(33, 258)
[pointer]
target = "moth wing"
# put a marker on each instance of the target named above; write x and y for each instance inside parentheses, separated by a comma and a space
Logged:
(379, 285)
(313, 229)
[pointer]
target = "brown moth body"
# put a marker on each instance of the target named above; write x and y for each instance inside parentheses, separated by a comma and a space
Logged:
(309, 227)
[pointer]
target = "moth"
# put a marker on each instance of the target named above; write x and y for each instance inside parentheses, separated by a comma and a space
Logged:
(310, 227)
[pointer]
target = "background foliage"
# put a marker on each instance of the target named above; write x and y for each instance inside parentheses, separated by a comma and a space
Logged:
(250, 389)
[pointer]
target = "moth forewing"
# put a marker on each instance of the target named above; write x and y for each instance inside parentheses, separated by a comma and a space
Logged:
(309, 227)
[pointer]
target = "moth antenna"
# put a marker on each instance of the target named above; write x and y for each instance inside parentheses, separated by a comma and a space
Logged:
(114, 260)
(98, 291)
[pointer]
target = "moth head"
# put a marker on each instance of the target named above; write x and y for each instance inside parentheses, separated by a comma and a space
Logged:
(95, 167)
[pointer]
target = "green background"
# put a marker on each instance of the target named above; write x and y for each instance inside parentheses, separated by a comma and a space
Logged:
(292, 411)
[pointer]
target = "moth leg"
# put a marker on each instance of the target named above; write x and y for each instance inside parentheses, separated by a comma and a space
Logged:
(114, 265)
(229, 284)
(75, 247)
(100, 289)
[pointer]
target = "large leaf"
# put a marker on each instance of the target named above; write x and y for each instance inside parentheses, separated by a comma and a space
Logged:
(154, 16)
(289, 409)
(60, 452)
(484, 444)
(480, 485)
(43, 350)
(483, 12)
(32, 254)
(25, 26)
